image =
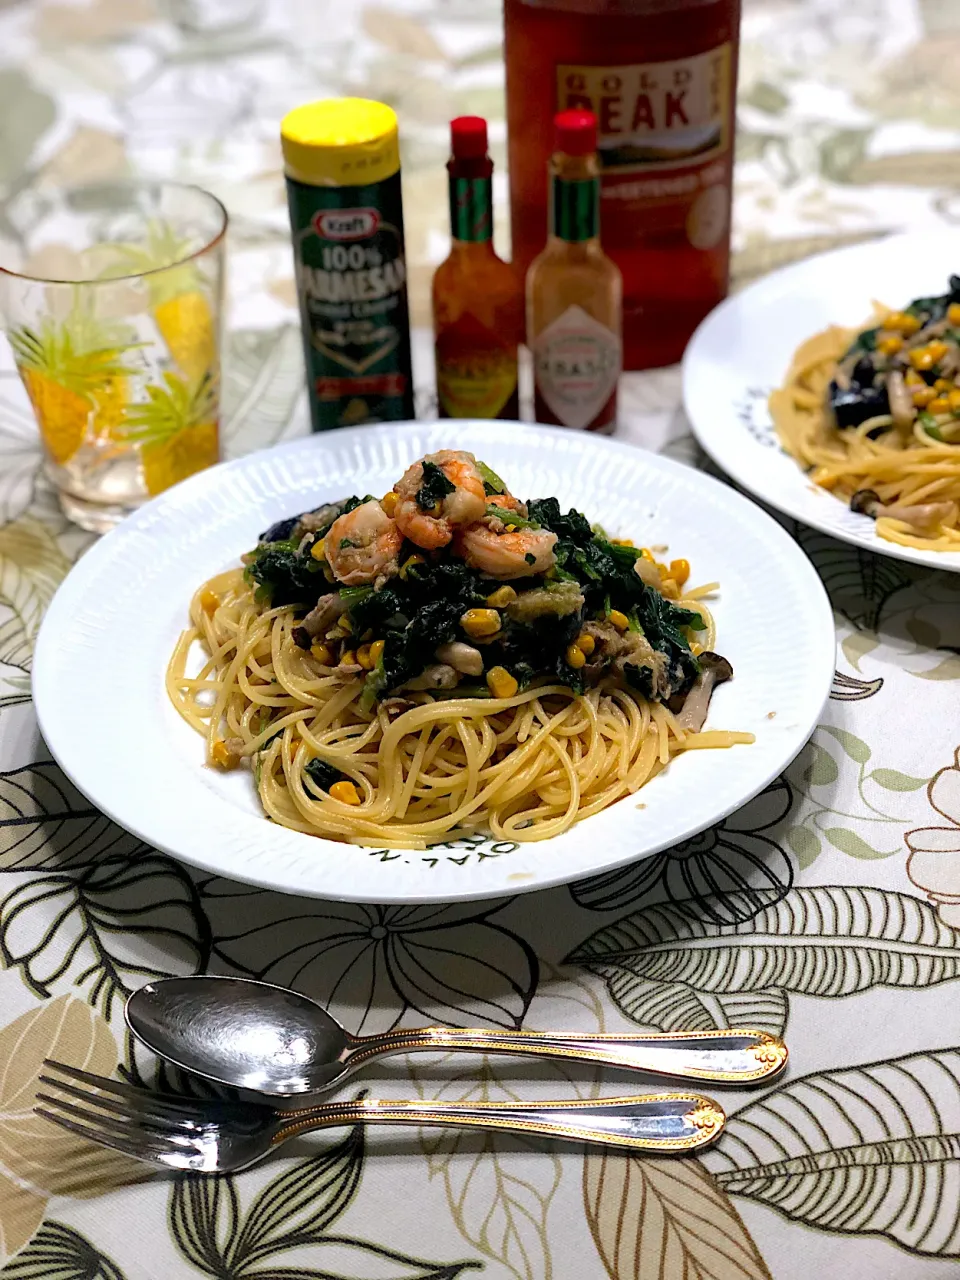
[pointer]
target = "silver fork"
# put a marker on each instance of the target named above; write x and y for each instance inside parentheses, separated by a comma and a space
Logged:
(209, 1136)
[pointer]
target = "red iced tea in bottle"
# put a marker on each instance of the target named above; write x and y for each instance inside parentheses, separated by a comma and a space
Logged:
(660, 77)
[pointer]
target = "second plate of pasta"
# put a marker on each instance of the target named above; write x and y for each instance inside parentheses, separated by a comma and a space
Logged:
(370, 666)
(830, 390)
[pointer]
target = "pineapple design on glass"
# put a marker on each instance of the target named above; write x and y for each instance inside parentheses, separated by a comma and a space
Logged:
(121, 364)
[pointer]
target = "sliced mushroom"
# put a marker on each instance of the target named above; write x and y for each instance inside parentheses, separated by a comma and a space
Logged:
(647, 572)
(923, 516)
(902, 408)
(327, 609)
(714, 670)
(462, 657)
(438, 676)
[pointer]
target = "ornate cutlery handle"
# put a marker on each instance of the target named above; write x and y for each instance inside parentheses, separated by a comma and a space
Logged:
(667, 1122)
(724, 1057)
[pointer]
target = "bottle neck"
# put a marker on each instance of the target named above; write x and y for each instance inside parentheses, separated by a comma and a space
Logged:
(471, 204)
(574, 198)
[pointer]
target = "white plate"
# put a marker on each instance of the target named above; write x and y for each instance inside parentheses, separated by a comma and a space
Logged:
(107, 636)
(743, 349)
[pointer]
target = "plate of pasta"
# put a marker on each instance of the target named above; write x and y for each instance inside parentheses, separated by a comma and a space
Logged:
(831, 391)
(417, 663)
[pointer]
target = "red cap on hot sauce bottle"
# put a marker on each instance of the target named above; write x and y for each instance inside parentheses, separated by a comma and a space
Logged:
(575, 132)
(468, 138)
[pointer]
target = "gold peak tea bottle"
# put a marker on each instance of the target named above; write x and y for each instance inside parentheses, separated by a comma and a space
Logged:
(660, 76)
(574, 291)
(477, 305)
(342, 163)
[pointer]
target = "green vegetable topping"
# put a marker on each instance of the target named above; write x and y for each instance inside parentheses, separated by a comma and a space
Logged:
(321, 774)
(434, 487)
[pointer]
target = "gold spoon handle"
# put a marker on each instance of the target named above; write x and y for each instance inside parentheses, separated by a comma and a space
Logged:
(665, 1122)
(724, 1057)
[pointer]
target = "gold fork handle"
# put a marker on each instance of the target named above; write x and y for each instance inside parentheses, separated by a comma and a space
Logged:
(724, 1057)
(667, 1122)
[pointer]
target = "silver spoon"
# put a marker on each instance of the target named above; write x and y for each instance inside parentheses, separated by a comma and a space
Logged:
(284, 1046)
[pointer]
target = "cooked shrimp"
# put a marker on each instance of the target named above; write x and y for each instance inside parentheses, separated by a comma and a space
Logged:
(362, 546)
(507, 555)
(432, 529)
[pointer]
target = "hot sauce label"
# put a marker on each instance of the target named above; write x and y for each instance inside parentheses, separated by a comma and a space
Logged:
(576, 363)
(476, 370)
(654, 114)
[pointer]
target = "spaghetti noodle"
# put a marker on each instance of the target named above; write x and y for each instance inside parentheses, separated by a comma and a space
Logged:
(475, 736)
(874, 416)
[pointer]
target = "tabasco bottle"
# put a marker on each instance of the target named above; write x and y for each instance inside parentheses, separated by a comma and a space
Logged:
(477, 302)
(660, 76)
(574, 291)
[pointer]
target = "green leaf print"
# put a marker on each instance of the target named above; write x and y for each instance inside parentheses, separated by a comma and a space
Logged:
(58, 1252)
(894, 780)
(855, 747)
(818, 766)
(853, 846)
(805, 844)
(865, 1150)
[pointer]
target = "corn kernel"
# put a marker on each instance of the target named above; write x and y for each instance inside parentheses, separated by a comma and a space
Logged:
(619, 620)
(376, 651)
(348, 658)
(940, 405)
(647, 554)
(480, 622)
(943, 384)
(410, 563)
(318, 550)
(585, 643)
(922, 358)
(622, 542)
(938, 348)
(913, 379)
(679, 571)
(953, 313)
(344, 623)
(954, 398)
(902, 322)
(923, 395)
(501, 597)
(388, 503)
(889, 343)
(222, 756)
(364, 658)
(209, 600)
(345, 792)
(501, 683)
(575, 657)
(322, 653)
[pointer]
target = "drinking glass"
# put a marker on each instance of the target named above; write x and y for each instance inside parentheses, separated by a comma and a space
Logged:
(113, 310)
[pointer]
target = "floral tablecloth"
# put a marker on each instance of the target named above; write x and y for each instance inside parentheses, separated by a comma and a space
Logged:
(827, 909)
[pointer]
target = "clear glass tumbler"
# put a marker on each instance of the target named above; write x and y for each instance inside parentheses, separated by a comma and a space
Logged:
(113, 310)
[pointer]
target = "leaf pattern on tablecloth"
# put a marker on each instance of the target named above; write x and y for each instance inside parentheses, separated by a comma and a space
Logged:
(58, 1252)
(38, 1159)
(659, 1219)
(263, 380)
(871, 1149)
(32, 566)
(105, 930)
(19, 459)
(297, 1208)
(730, 872)
(853, 938)
(498, 1187)
(372, 965)
(47, 825)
